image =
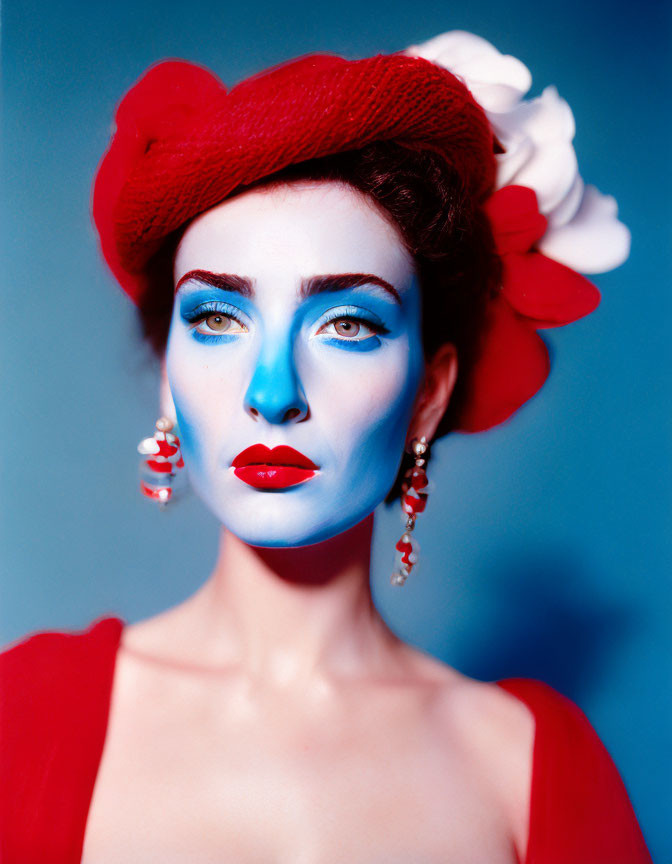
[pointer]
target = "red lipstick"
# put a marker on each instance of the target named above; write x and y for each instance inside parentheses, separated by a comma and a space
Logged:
(263, 468)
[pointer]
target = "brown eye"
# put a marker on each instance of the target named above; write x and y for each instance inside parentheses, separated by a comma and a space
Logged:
(345, 327)
(215, 323)
(218, 322)
(350, 328)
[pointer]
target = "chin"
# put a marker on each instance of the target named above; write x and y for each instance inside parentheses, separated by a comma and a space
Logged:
(290, 532)
(280, 520)
(301, 515)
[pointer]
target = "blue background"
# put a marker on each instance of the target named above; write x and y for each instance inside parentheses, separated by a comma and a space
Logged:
(544, 549)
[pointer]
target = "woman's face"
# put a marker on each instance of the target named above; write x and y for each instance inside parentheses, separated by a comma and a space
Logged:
(296, 323)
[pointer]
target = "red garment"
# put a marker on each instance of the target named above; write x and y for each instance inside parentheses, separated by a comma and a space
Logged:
(54, 703)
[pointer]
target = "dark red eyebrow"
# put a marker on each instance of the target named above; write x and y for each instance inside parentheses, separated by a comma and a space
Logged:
(309, 287)
(225, 281)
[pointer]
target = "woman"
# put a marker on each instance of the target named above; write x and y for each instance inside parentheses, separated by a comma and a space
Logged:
(321, 261)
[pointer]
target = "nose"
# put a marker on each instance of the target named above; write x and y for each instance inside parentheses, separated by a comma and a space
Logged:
(275, 392)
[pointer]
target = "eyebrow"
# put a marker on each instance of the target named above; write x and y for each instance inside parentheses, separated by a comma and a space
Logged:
(309, 287)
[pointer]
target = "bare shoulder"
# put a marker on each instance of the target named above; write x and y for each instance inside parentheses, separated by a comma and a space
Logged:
(497, 723)
(496, 730)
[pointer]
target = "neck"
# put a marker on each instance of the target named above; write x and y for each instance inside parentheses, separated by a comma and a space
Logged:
(286, 615)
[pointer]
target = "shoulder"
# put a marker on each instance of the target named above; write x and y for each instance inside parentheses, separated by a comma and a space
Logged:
(494, 724)
(494, 733)
(54, 695)
(500, 731)
(54, 687)
(42, 652)
(580, 808)
(564, 735)
(499, 726)
(49, 668)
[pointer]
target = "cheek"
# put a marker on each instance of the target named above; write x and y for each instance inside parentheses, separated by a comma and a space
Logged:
(364, 404)
(206, 393)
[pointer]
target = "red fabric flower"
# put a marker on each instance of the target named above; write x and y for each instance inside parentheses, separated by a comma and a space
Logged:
(536, 292)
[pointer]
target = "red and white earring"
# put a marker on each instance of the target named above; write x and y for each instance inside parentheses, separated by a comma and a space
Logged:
(158, 474)
(413, 501)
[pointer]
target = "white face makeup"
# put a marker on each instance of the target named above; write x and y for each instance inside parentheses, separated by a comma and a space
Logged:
(278, 356)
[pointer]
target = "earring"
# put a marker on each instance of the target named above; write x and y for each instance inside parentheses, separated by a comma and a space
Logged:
(157, 475)
(413, 501)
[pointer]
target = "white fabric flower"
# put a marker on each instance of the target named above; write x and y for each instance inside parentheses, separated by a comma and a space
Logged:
(497, 81)
(583, 230)
(594, 240)
(537, 135)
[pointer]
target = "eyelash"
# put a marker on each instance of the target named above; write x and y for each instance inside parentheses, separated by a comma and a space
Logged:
(205, 310)
(351, 315)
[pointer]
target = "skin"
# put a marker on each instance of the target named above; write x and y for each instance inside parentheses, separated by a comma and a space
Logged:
(290, 374)
(273, 715)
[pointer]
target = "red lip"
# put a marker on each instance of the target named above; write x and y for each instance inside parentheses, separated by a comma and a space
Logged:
(262, 468)
(259, 454)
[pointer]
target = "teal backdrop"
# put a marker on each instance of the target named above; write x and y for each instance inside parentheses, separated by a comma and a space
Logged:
(546, 547)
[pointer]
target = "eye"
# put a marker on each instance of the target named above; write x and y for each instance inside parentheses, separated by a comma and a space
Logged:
(218, 322)
(350, 328)
(211, 320)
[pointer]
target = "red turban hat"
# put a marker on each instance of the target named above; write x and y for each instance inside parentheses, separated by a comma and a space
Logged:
(183, 144)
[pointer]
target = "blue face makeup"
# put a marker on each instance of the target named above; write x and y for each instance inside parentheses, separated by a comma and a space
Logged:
(380, 316)
(197, 306)
(365, 327)
(333, 374)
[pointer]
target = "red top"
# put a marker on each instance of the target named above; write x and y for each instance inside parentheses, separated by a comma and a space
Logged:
(54, 705)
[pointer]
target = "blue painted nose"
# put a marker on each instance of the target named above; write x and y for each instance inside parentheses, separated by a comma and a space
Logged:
(275, 392)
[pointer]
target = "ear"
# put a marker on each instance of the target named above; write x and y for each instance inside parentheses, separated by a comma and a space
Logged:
(439, 381)
(166, 403)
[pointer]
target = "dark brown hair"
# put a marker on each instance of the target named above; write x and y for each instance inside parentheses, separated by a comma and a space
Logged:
(442, 227)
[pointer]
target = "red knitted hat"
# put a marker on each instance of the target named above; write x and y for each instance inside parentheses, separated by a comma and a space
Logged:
(183, 144)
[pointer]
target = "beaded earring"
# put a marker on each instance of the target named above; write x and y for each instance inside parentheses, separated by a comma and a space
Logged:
(413, 501)
(158, 474)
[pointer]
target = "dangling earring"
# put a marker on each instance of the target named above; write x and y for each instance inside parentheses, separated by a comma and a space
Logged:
(157, 475)
(413, 501)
